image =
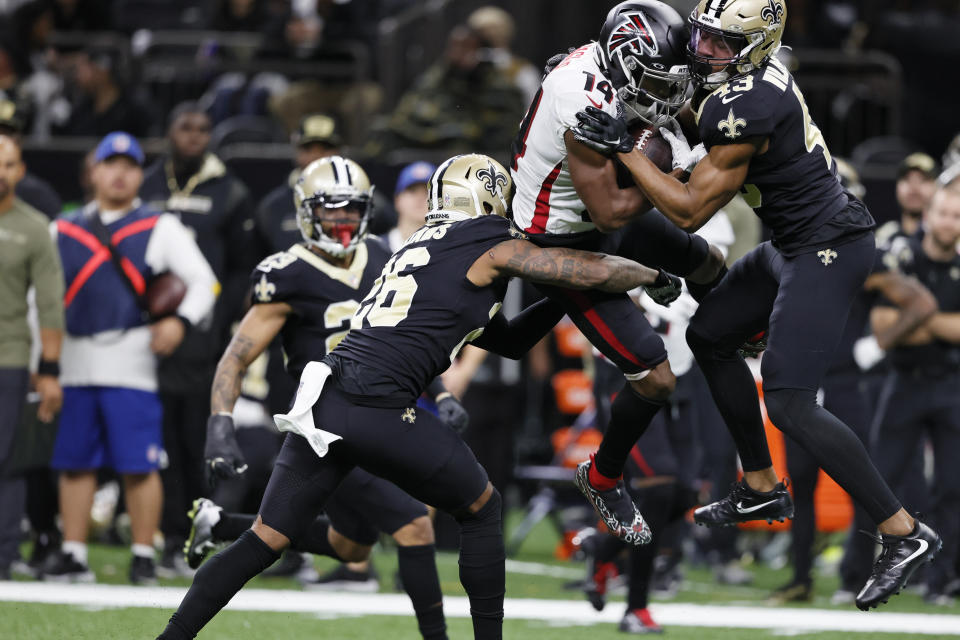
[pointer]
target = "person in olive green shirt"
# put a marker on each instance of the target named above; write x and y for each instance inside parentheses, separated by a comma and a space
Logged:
(28, 258)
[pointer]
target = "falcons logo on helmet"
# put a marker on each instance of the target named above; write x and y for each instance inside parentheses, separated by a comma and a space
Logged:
(634, 32)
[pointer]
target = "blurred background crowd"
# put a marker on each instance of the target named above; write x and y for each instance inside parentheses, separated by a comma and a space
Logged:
(229, 99)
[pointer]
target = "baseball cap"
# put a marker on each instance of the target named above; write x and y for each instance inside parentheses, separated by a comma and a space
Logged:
(9, 117)
(921, 162)
(416, 173)
(119, 143)
(317, 127)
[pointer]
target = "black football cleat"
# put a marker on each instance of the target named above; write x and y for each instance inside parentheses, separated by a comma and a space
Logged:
(743, 504)
(900, 557)
(615, 508)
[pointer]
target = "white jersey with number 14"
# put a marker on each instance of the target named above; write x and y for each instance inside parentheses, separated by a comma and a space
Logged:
(545, 200)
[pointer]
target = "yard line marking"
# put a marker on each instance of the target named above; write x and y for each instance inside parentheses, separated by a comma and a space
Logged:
(555, 611)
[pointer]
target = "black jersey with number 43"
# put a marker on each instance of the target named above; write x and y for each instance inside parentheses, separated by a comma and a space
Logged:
(793, 186)
(324, 297)
(420, 312)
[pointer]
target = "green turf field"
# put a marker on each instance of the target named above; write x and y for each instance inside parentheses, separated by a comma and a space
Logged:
(28, 621)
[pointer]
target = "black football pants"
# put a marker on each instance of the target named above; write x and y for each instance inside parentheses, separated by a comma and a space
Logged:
(803, 302)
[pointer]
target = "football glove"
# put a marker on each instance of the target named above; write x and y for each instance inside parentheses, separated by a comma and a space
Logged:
(867, 352)
(452, 413)
(602, 132)
(683, 156)
(554, 60)
(665, 289)
(222, 456)
(753, 347)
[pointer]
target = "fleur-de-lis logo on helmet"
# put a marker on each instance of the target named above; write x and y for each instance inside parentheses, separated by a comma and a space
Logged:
(493, 181)
(772, 13)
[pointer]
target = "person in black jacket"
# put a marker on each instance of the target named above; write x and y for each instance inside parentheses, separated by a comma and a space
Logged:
(194, 184)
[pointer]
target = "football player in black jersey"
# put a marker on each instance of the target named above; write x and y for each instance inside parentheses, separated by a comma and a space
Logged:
(761, 142)
(308, 294)
(356, 407)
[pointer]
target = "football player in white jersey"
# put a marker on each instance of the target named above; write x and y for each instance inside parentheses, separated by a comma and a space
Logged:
(567, 194)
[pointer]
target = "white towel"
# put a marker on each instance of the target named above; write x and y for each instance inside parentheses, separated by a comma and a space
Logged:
(300, 418)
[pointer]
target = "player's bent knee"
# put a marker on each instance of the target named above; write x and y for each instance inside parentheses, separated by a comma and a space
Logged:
(789, 408)
(487, 506)
(270, 536)
(658, 384)
(348, 550)
(417, 532)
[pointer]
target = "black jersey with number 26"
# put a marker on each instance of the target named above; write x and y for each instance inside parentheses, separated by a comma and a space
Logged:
(793, 185)
(420, 312)
(323, 296)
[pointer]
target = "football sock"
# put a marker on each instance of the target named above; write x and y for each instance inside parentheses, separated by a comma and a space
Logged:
(218, 580)
(657, 505)
(700, 291)
(482, 571)
(418, 573)
(630, 415)
(142, 550)
(735, 393)
(232, 525)
(834, 446)
(803, 471)
(77, 549)
(315, 539)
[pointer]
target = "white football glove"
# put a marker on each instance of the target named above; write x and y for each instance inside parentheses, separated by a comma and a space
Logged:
(683, 156)
(867, 352)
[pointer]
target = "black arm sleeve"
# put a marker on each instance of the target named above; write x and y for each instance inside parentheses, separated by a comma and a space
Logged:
(435, 387)
(513, 338)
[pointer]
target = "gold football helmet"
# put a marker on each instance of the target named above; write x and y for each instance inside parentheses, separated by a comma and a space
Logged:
(328, 184)
(737, 35)
(468, 186)
(849, 177)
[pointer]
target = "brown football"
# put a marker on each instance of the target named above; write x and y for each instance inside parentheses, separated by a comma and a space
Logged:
(164, 295)
(652, 145)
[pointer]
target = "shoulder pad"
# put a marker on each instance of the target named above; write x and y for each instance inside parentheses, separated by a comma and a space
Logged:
(740, 109)
(276, 262)
(272, 280)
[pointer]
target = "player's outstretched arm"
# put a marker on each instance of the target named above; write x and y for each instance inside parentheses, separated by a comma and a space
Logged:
(513, 338)
(712, 184)
(257, 329)
(562, 267)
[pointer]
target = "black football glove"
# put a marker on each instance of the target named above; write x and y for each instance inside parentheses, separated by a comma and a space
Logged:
(222, 456)
(753, 347)
(602, 132)
(665, 289)
(554, 60)
(452, 413)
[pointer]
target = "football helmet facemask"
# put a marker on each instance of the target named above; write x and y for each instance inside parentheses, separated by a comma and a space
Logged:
(326, 185)
(739, 35)
(468, 186)
(641, 48)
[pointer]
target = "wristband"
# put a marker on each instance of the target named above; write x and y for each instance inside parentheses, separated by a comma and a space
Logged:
(443, 396)
(48, 368)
